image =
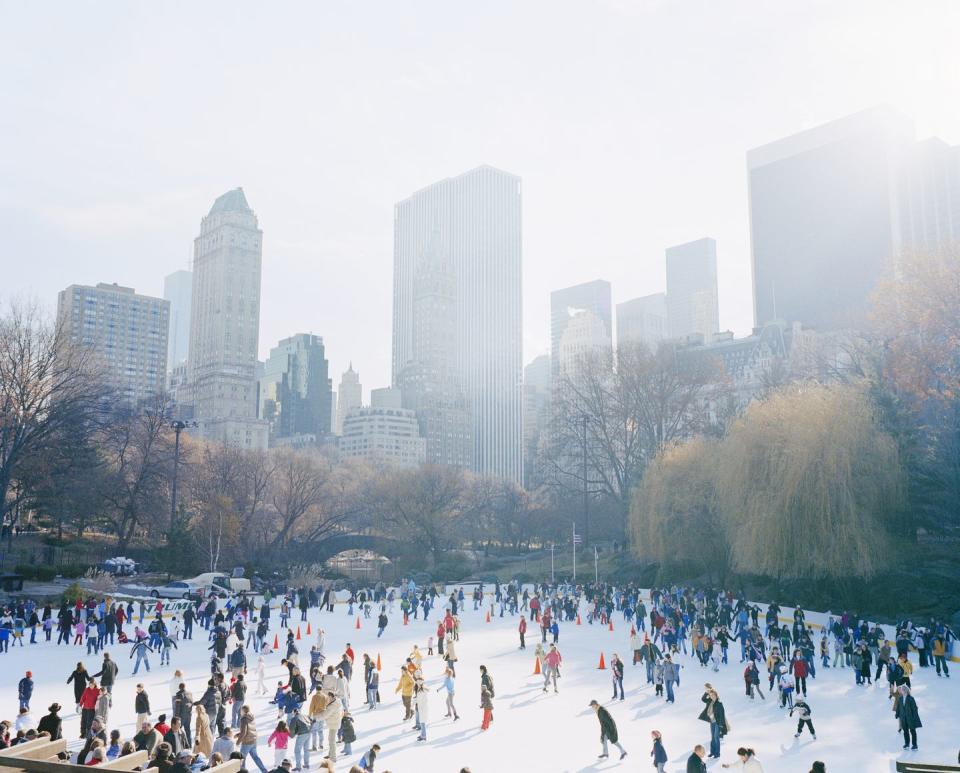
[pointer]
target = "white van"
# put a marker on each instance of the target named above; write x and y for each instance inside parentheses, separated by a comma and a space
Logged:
(218, 582)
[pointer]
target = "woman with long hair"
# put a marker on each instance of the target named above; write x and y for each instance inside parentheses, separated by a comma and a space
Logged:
(747, 761)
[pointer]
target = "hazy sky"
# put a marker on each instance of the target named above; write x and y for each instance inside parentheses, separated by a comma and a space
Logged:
(120, 122)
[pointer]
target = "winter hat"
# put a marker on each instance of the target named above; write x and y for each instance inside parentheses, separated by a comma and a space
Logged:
(54, 707)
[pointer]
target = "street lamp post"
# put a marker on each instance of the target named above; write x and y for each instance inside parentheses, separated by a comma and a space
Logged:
(586, 498)
(177, 426)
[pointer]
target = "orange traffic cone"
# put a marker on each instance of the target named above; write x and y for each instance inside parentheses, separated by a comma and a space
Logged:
(298, 633)
(308, 629)
(378, 661)
(405, 620)
(602, 666)
(358, 623)
(276, 641)
(611, 625)
(536, 668)
(488, 617)
(578, 618)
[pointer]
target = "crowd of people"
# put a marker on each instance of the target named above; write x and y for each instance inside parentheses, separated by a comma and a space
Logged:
(670, 629)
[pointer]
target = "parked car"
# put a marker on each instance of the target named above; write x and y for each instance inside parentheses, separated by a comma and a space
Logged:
(220, 583)
(178, 589)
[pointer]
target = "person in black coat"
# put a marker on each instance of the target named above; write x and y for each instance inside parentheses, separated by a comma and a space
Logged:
(608, 730)
(695, 763)
(905, 710)
(50, 723)
(183, 704)
(714, 714)
(177, 737)
(80, 676)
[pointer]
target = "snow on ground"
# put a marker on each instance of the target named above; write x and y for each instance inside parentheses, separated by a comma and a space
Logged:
(532, 730)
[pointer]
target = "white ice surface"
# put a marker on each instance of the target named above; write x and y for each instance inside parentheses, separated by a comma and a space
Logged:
(532, 730)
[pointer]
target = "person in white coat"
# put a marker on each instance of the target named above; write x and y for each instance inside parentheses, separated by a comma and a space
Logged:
(332, 715)
(261, 676)
(174, 685)
(423, 709)
(748, 761)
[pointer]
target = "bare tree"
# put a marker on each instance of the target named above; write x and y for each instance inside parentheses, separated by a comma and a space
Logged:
(423, 506)
(296, 491)
(612, 415)
(137, 447)
(45, 383)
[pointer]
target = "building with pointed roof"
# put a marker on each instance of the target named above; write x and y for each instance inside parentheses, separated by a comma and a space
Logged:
(221, 393)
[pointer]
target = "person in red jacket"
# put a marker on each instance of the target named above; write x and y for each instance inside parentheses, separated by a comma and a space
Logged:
(522, 628)
(534, 607)
(800, 669)
(88, 706)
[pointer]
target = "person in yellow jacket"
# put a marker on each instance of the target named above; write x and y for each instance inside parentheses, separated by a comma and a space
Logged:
(907, 667)
(318, 702)
(405, 688)
(417, 657)
(939, 652)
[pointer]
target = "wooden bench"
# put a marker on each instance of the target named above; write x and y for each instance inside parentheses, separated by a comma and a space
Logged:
(40, 756)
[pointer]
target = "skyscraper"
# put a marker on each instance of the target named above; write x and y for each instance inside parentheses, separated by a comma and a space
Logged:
(642, 320)
(825, 217)
(383, 433)
(429, 381)
(585, 333)
(126, 331)
(295, 390)
(564, 304)
(692, 305)
(177, 288)
(349, 395)
(929, 196)
(536, 414)
(472, 222)
(225, 324)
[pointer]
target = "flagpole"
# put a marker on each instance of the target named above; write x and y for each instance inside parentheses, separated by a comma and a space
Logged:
(574, 551)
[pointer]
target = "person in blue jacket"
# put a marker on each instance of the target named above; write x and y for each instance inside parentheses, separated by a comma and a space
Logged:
(25, 690)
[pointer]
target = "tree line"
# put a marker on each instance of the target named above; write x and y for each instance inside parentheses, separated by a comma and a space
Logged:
(840, 465)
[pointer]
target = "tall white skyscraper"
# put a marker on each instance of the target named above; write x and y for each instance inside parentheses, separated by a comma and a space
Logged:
(692, 305)
(642, 320)
(565, 304)
(127, 333)
(473, 223)
(225, 324)
(177, 288)
(349, 396)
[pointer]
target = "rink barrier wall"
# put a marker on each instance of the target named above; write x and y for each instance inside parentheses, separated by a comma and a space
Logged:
(922, 767)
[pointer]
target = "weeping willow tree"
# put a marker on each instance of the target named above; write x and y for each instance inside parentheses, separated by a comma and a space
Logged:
(808, 485)
(674, 516)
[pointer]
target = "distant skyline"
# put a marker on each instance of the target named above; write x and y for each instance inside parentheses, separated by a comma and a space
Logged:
(628, 124)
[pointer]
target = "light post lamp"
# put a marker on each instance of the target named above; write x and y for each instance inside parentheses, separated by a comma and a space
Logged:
(177, 426)
(586, 497)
